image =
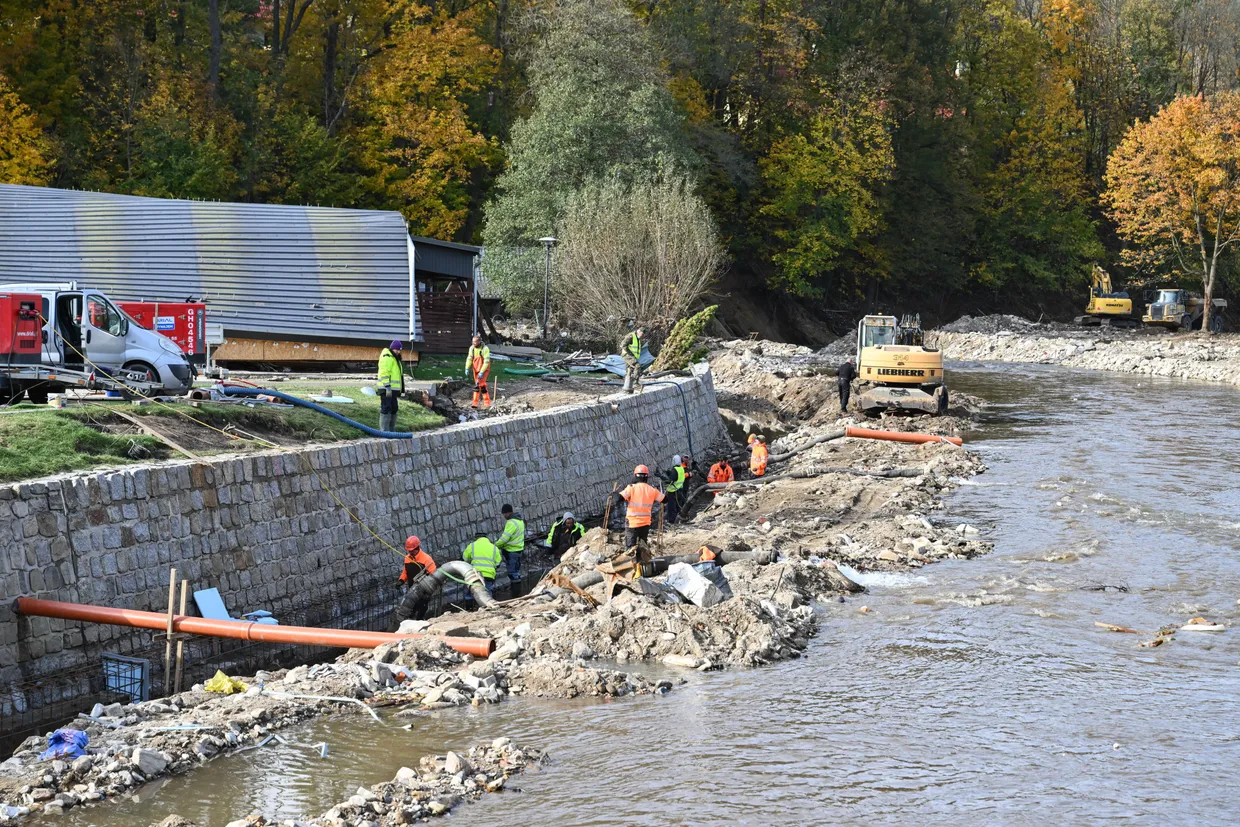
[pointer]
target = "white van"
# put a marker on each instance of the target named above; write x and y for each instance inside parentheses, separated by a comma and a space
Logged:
(84, 321)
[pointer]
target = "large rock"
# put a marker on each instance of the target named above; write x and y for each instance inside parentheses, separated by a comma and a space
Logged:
(149, 762)
(693, 586)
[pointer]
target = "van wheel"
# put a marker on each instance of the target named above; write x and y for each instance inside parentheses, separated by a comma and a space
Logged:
(38, 395)
(149, 373)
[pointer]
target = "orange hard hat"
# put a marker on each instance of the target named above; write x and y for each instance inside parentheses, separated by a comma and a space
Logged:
(641, 469)
(752, 439)
(413, 543)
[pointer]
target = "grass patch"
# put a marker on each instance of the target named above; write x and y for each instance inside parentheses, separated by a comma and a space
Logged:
(38, 441)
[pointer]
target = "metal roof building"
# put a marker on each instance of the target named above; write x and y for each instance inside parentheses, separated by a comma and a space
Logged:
(266, 271)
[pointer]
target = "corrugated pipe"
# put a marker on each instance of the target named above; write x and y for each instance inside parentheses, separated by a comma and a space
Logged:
(238, 629)
(302, 403)
(421, 592)
(900, 436)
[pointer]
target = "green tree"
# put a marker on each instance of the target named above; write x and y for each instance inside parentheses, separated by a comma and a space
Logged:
(820, 192)
(601, 109)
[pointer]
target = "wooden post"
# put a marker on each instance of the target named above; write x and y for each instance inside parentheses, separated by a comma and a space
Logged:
(172, 595)
(180, 641)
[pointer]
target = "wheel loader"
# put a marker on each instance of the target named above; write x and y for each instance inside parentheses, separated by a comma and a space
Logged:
(900, 371)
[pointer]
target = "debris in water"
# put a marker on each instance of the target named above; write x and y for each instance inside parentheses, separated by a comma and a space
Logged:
(1200, 624)
(1111, 627)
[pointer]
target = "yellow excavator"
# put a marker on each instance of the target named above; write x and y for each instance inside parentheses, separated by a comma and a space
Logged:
(1106, 306)
(903, 373)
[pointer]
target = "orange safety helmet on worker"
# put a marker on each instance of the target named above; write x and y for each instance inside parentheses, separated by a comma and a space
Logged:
(417, 561)
(641, 497)
(758, 455)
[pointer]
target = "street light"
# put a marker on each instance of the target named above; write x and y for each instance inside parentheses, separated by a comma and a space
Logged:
(548, 242)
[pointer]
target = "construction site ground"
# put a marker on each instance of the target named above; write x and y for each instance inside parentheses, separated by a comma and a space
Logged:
(829, 507)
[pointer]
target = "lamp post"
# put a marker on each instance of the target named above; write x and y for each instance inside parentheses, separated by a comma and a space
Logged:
(548, 242)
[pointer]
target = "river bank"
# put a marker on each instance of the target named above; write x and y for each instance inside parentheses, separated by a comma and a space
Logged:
(831, 508)
(1142, 351)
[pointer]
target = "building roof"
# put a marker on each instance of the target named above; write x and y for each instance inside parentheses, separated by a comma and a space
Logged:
(265, 270)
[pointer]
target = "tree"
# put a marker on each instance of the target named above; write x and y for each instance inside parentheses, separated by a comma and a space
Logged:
(645, 250)
(25, 154)
(601, 110)
(820, 191)
(1173, 188)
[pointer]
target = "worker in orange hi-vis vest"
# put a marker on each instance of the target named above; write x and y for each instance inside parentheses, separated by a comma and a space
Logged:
(758, 455)
(640, 497)
(478, 366)
(721, 471)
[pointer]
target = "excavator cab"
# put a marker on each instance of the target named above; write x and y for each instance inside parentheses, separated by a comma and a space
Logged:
(903, 372)
(1106, 305)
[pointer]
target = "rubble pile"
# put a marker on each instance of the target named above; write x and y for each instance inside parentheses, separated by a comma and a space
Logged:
(434, 788)
(1143, 351)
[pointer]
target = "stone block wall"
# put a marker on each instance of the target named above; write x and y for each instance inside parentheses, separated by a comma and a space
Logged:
(270, 530)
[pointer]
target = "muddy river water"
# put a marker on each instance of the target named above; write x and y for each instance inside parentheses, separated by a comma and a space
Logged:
(973, 692)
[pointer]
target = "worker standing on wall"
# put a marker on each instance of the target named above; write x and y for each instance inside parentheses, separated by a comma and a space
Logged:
(675, 477)
(758, 455)
(512, 544)
(631, 351)
(564, 534)
(844, 376)
(478, 367)
(391, 385)
(484, 557)
(640, 497)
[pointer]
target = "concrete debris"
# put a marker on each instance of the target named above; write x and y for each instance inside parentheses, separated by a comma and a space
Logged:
(437, 785)
(694, 587)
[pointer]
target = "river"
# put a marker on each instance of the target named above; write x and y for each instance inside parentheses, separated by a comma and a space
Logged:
(975, 692)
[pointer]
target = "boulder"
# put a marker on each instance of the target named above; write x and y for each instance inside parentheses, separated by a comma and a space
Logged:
(148, 761)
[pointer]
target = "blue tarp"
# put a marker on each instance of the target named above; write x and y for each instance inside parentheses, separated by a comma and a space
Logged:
(65, 743)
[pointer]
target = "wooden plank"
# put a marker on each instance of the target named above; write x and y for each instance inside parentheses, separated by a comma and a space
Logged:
(149, 431)
(237, 349)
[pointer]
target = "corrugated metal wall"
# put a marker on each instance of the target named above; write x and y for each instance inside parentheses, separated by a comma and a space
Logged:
(266, 271)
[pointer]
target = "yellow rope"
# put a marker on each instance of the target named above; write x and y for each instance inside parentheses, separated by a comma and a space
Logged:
(266, 442)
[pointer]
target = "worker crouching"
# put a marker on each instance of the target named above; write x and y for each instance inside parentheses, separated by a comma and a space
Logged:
(418, 565)
(483, 555)
(564, 534)
(721, 472)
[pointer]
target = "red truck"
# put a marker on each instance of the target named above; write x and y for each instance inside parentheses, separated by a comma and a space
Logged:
(182, 322)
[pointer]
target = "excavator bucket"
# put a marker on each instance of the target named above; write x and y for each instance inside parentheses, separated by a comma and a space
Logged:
(878, 399)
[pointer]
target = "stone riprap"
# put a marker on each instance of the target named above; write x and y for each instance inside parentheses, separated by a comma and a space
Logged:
(1143, 352)
(265, 530)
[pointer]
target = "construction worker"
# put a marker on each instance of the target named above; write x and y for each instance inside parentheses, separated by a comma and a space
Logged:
(721, 471)
(675, 488)
(391, 385)
(640, 497)
(631, 350)
(844, 376)
(417, 599)
(564, 534)
(758, 455)
(512, 544)
(477, 367)
(417, 562)
(484, 557)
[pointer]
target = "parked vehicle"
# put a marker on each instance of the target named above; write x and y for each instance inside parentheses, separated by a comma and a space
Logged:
(82, 329)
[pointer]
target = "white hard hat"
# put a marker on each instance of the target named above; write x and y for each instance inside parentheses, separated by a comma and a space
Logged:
(568, 515)
(676, 460)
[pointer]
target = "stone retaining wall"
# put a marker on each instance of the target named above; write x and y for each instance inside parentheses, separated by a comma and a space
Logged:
(266, 531)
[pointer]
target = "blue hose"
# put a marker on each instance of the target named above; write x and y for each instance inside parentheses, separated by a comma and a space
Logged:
(301, 403)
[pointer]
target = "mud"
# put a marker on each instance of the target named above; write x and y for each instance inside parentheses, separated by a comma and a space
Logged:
(1142, 351)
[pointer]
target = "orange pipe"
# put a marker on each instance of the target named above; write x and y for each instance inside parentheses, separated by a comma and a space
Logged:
(900, 436)
(239, 629)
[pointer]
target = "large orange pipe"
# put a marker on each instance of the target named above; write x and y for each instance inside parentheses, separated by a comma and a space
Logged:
(900, 436)
(240, 629)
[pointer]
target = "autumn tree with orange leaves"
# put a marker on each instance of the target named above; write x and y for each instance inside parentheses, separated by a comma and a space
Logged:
(1173, 188)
